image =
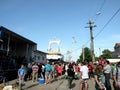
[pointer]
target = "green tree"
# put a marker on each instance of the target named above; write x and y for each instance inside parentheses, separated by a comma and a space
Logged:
(106, 54)
(87, 55)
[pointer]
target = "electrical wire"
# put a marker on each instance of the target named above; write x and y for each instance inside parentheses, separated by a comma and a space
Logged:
(100, 30)
(99, 10)
(102, 5)
(107, 22)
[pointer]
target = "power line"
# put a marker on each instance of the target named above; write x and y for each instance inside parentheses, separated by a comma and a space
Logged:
(103, 26)
(99, 10)
(101, 29)
(107, 23)
(102, 5)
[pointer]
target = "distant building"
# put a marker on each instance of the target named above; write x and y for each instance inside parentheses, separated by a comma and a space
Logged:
(54, 55)
(39, 56)
(116, 52)
(113, 60)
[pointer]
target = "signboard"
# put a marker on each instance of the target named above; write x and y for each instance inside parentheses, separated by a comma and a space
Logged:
(53, 56)
(113, 60)
(53, 52)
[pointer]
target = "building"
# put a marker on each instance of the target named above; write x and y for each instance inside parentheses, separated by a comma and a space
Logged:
(13, 44)
(39, 56)
(53, 54)
(17, 48)
(116, 52)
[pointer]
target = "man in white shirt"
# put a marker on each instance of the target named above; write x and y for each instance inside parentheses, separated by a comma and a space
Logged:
(84, 76)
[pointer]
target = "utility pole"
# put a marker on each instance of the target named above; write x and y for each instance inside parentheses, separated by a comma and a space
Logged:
(91, 38)
(83, 54)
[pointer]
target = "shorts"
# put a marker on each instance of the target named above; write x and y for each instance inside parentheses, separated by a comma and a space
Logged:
(21, 80)
(84, 81)
(47, 74)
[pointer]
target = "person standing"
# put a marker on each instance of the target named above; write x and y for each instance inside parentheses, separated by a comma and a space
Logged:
(60, 69)
(65, 70)
(43, 71)
(84, 76)
(48, 70)
(35, 69)
(116, 77)
(21, 76)
(76, 70)
(107, 71)
(70, 73)
(98, 76)
(53, 70)
(29, 71)
(90, 69)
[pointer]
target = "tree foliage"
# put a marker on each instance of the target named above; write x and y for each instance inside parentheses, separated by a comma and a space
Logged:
(87, 55)
(106, 54)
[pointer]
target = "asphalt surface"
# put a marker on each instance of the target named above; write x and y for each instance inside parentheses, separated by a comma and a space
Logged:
(54, 85)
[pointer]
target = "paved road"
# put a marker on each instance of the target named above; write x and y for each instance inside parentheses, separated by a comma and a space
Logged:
(75, 85)
(55, 85)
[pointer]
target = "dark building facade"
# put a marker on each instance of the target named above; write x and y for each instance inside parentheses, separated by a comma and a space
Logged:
(15, 46)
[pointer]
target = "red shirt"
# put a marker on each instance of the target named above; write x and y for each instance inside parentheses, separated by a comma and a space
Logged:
(60, 69)
(89, 68)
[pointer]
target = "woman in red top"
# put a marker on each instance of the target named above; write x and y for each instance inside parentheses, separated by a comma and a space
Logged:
(76, 70)
(90, 68)
(60, 69)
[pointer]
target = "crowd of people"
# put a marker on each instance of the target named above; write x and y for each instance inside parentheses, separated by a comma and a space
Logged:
(33, 71)
(101, 72)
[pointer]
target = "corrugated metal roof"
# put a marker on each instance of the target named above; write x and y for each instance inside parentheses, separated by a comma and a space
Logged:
(13, 34)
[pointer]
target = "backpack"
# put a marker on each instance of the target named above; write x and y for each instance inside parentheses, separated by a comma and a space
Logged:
(48, 68)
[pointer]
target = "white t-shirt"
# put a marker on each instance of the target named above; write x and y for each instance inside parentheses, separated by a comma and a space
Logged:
(107, 69)
(66, 67)
(84, 70)
(43, 68)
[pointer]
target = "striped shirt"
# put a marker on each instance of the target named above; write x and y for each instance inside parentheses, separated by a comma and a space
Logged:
(35, 68)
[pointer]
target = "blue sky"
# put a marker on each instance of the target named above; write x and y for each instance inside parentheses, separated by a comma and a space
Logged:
(45, 20)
